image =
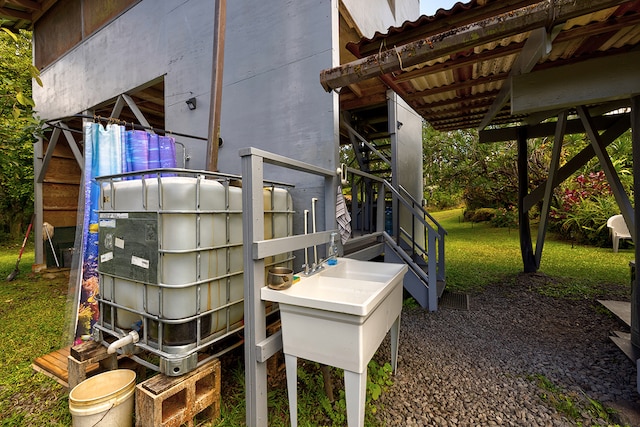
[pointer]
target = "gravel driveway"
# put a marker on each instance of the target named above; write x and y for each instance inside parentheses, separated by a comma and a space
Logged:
(482, 367)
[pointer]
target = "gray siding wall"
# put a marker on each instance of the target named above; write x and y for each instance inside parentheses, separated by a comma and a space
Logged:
(272, 98)
(152, 39)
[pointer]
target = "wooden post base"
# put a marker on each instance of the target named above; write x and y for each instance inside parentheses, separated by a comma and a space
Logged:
(86, 354)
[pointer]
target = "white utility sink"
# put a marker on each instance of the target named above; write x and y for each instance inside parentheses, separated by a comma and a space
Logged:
(338, 317)
(350, 287)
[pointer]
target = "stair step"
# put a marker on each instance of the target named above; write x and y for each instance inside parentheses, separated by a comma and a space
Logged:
(623, 341)
(622, 309)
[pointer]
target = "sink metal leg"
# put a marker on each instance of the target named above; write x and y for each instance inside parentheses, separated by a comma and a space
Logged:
(395, 339)
(291, 365)
(355, 387)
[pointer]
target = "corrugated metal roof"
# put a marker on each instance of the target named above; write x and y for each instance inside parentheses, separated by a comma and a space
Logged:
(458, 89)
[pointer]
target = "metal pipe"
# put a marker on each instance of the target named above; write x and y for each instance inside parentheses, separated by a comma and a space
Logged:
(306, 231)
(314, 200)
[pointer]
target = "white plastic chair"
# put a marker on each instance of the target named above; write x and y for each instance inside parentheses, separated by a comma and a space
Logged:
(618, 230)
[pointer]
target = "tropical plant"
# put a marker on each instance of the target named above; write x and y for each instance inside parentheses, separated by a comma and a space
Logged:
(582, 209)
(16, 131)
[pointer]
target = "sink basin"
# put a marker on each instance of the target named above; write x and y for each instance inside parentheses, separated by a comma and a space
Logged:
(350, 287)
(362, 270)
(338, 317)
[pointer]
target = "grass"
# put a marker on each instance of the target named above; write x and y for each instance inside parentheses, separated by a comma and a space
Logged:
(32, 324)
(479, 254)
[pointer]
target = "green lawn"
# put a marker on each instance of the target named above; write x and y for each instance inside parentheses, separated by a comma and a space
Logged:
(479, 254)
(31, 324)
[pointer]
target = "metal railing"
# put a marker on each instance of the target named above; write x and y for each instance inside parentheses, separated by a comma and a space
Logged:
(258, 346)
(407, 243)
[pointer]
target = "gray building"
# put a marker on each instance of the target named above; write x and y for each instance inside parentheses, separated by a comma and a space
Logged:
(140, 61)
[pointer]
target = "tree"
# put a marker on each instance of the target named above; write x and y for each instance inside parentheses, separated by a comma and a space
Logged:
(16, 131)
(458, 169)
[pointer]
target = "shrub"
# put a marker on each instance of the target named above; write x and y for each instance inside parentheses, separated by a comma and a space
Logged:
(505, 217)
(480, 215)
(583, 209)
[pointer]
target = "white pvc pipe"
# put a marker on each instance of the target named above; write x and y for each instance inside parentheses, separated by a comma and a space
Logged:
(132, 337)
(306, 231)
(313, 226)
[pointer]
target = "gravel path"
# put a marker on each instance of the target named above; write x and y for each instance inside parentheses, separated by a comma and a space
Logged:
(480, 367)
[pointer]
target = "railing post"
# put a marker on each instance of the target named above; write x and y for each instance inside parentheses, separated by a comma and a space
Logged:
(254, 312)
(441, 263)
(380, 217)
(433, 276)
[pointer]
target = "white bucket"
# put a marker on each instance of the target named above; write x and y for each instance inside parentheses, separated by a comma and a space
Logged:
(105, 399)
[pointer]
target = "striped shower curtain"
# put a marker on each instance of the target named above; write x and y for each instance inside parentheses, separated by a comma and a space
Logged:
(108, 150)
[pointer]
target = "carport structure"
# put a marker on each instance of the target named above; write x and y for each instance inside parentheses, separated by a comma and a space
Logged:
(517, 69)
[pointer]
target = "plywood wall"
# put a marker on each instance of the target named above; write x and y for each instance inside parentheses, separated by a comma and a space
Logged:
(61, 187)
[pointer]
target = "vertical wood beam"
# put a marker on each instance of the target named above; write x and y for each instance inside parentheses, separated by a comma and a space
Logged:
(216, 84)
(635, 142)
(526, 247)
(558, 138)
(580, 159)
(38, 209)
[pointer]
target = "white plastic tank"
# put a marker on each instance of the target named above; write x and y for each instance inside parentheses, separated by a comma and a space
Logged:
(171, 248)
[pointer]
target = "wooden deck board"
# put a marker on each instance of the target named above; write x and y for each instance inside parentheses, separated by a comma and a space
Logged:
(55, 365)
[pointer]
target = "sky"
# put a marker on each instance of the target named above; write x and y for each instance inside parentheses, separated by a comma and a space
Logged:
(429, 7)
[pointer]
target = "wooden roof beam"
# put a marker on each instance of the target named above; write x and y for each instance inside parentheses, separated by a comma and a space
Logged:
(453, 102)
(16, 14)
(537, 46)
(543, 14)
(589, 82)
(27, 4)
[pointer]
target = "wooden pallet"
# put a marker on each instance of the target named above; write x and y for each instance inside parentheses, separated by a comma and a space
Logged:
(55, 365)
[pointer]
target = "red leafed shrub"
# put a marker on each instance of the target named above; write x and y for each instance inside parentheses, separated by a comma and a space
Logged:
(583, 188)
(582, 209)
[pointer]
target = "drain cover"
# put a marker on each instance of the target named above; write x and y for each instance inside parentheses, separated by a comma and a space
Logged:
(455, 300)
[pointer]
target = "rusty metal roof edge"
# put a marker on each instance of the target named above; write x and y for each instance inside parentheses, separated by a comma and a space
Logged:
(415, 52)
(459, 9)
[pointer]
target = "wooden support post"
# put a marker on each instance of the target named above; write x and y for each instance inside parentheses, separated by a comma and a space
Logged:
(216, 84)
(86, 354)
(635, 294)
(526, 246)
(617, 188)
(551, 183)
